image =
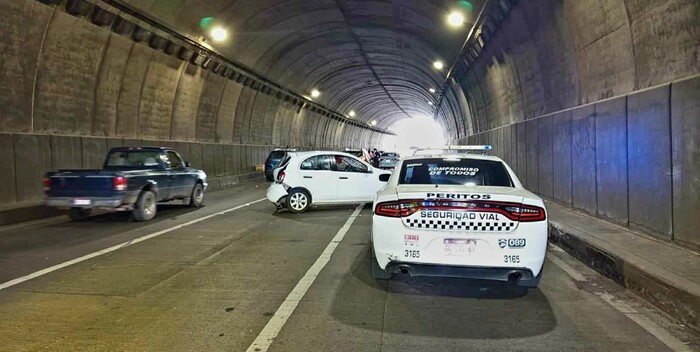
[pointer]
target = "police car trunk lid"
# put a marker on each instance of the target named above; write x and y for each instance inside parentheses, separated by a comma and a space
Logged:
(460, 208)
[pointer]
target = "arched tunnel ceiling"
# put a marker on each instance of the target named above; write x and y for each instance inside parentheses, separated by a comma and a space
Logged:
(373, 57)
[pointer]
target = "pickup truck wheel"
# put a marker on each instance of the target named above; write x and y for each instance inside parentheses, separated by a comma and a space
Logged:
(197, 196)
(146, 207)
(76, 214)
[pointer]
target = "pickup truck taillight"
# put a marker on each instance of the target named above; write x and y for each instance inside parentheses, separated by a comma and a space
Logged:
(120, 183)
(47, 183)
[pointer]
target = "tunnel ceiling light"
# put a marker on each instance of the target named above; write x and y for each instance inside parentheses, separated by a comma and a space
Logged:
(373, 123)
(430, 103)
(455, 19)
(432, 90)
(218, 34)
(315, 93)
(351, 113)
(438, 65)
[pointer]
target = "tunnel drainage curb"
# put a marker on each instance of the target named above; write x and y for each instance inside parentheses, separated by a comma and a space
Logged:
(674, 300)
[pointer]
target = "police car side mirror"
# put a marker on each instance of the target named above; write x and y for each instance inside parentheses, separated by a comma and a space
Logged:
(384, 177)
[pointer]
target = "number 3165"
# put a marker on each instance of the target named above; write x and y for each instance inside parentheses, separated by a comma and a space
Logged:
(515, 259)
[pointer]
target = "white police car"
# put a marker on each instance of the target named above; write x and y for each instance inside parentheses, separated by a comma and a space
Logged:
(458, 215)
(323, 177)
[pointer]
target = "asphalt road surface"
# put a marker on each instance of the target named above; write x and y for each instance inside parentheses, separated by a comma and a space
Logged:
(239, 277)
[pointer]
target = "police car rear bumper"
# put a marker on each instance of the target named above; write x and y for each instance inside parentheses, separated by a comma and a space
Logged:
(485, 273)
(394, 244)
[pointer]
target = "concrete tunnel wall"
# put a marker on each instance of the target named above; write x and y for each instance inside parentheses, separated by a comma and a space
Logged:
(73, 89)
(596, 105)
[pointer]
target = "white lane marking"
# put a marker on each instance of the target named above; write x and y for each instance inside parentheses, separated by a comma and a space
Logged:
(566, 268)
(660, 333)
(274, 325)
(647, 324)
(116, 247)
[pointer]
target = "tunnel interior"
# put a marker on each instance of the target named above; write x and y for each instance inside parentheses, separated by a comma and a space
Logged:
(595, 104)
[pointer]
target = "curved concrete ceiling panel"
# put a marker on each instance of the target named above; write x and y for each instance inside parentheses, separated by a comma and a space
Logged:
(340, 47)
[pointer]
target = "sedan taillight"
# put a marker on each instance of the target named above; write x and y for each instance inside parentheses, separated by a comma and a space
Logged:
(120, 183)
(47, 183)
(280, 176)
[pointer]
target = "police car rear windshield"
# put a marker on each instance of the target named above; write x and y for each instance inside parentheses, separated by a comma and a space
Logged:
(457, 171)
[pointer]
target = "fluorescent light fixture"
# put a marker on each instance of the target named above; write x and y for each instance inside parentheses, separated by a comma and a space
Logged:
(438, 65)
(431, 90)
(374, 122)
(315, 93)
(218, 34)
(455, 19)
(351, 113)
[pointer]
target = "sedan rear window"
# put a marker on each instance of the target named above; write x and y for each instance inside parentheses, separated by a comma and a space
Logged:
(276, 154)
(457, 171)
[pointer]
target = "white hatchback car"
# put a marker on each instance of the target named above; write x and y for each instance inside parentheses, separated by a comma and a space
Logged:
(323, 177)
(458, 215)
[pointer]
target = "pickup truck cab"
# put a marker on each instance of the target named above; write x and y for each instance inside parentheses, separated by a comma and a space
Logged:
(132, 179)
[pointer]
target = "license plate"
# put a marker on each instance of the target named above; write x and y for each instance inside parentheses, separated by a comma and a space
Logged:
(459, 247)
(82, 201)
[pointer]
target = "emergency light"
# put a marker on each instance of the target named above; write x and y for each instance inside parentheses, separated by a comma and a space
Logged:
(473, 148)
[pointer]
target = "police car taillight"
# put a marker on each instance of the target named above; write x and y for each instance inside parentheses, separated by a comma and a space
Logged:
(512, 211)
(531, 213)
(397, 209)
(120, 183)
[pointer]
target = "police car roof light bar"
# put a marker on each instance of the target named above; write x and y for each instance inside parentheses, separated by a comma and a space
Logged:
(474, 148)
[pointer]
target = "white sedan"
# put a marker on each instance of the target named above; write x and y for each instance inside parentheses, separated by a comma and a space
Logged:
(458, 215)
(323, 177)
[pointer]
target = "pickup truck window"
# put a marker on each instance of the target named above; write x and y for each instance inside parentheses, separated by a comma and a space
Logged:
(174, 160)
(135, 158)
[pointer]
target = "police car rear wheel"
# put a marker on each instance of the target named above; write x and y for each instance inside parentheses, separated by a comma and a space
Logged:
(298, 201)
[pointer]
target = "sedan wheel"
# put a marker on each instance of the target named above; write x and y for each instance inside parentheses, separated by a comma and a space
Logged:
(298, 201)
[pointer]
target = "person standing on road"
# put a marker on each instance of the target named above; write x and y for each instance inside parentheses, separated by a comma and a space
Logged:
(375, 157)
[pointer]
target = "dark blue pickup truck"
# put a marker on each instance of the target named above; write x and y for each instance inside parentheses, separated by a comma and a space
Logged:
(132, 179)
